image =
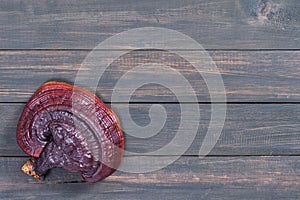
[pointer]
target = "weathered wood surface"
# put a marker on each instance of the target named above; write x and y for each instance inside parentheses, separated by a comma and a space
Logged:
(242, 24)
(255, 45)
(187, 178)
(248, 76)
(257, 129)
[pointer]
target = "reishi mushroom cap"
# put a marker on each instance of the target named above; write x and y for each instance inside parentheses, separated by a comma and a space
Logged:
(69, 127)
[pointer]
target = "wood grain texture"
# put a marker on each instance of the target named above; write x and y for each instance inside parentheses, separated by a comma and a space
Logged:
(248, 76)
(255, 45)
(187, 178)
(243, 24)
(257, 129)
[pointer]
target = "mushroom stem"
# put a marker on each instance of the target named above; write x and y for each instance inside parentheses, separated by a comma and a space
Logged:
(28, 168)
(38, 167)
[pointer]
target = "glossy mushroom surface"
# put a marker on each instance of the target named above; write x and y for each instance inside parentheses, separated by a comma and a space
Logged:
(69, 127)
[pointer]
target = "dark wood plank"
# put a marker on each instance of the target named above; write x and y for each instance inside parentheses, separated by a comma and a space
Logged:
(248, 76)
(248, 130)
(187, 178)
(243, 24)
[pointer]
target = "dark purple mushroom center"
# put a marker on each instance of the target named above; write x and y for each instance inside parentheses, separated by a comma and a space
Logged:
(70, 143)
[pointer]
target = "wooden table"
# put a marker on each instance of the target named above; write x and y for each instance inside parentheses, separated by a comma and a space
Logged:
(254, 44)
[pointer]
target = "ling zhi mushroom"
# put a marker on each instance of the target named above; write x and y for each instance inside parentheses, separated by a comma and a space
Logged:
(69, 127)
